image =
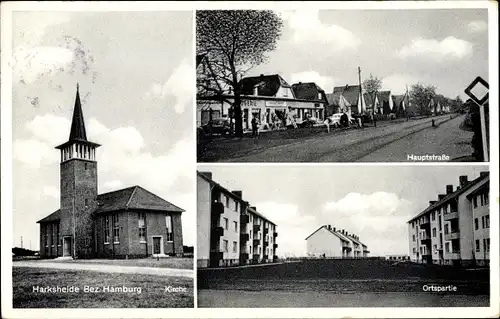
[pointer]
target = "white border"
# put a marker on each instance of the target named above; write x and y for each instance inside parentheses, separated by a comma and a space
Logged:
(6, 163)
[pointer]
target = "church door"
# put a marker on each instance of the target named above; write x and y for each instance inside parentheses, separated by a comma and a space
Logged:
(156, 245)
(67, 246)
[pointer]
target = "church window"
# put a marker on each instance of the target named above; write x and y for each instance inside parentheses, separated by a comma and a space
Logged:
(142, 227)
(116, 229)
(106, 230)
(170, 232)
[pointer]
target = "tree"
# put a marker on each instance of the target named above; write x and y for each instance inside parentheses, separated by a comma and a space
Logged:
(234, 42)
(421, 95)
(372, 86)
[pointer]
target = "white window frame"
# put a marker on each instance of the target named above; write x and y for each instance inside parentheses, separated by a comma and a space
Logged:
(142, 217)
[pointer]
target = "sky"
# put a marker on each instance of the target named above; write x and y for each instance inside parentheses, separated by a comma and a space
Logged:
(447, 48)
(135, 73)
(372, 202)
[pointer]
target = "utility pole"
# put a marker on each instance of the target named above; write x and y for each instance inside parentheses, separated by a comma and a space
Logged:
(360, 88)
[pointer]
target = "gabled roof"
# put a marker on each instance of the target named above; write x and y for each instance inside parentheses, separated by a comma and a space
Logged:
(350, 93)
(307, 91)
(398, 99)
(55, 216)
(455, 194)
(370, 98)
(134, 197)
(383, 96)
(340, 236)
(268, 84)
(333, 98)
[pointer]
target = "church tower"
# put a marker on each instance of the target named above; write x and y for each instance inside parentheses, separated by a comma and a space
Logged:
(78, 171)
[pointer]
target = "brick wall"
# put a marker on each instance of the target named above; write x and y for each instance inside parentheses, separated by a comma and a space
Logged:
(79, 183)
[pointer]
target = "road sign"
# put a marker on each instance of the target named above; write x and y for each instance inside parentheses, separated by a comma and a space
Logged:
(480, 83)
(474, 85)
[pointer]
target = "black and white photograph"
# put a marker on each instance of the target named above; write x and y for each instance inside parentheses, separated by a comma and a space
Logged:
(350, 236)
(342, 85)
(103, 203)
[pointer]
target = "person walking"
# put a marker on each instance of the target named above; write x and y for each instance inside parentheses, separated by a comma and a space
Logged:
(255, 130)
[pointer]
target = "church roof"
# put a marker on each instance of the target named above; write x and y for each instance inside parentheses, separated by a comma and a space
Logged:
(134, 197)
(55, 216)
(77, 132)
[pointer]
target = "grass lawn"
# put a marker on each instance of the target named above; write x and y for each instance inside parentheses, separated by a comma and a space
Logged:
(171, 262)
(153, 294)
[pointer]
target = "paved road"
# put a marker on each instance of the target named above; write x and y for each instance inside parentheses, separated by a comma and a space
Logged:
(385, 143)
(264, 299)
(172, 272)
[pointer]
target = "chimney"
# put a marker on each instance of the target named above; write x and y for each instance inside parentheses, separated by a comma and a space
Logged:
(262, 75)
(329, 227)
(343, 231)
(207, 174)
(483, 174)
(238, 193)
(432, 202)
(441, 196)
(449, 189)
(333, 228)
(463, 180)
(253, 207)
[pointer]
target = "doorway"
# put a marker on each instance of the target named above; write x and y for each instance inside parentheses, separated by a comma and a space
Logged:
(157, 245)
(67, 246)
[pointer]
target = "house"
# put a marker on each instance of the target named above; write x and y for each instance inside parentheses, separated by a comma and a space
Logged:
(269, 98)
(455, 228)
(126, 223)
(386, 101)
(399, 104)
(356, 103)
(372, 103)
(327, 241)
(229, 230)
(311, 92)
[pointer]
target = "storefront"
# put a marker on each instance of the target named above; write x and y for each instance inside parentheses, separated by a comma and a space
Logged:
(271, 112)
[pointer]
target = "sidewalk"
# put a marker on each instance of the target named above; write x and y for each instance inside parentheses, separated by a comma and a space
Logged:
(172, 272)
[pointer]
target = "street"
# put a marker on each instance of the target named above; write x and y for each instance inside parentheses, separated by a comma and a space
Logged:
(388, 142)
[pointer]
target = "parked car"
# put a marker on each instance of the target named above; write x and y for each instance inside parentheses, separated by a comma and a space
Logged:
(310, 122)
(220, 126)
(335, 119)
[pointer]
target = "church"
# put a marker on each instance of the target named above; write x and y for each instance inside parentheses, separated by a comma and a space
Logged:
(125, 223)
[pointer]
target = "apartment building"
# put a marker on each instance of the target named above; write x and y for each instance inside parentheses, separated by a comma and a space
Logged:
(230, 231)
(454, 229)
(328, 241)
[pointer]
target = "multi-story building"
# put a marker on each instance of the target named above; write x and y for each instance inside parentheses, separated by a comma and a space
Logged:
(327, 241)
(230, 231)
(455, 228)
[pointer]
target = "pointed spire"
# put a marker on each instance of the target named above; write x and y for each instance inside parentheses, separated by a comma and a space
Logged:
(78, 124)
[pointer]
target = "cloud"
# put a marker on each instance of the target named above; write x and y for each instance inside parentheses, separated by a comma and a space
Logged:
(112, 185)
(51, 191)
(307, 28)
(396, 83)
(325, 82)
(124, 151)
(34, 153)
(29, 64)
(293, 227)
(448, 48)
(477, 26)
(376, 218)
(179, 85)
